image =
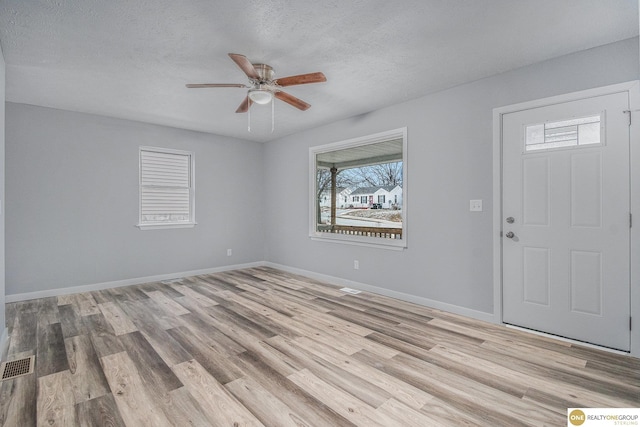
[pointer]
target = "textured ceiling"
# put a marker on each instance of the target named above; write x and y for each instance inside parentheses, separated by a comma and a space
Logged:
(131, 59)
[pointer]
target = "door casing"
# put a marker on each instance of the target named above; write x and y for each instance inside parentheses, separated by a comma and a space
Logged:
(633, 89)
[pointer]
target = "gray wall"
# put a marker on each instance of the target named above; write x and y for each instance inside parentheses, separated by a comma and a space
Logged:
(449, 255)
(72, 198)
(2, 200)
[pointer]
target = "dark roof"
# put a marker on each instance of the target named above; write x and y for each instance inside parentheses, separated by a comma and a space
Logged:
(371, 190)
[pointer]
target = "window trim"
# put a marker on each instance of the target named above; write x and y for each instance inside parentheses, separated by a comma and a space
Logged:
(377, 242)
(192, 203)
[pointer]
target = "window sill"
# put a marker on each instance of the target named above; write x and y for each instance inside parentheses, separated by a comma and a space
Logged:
(160, 226)
(371, 242)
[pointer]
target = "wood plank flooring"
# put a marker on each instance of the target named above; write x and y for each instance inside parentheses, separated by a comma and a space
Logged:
(262, 347)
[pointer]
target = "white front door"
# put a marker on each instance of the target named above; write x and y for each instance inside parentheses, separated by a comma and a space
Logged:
(566, 222)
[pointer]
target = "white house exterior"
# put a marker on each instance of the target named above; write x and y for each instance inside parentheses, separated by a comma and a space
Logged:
(342, 198)
(387, 197)
(395, 197)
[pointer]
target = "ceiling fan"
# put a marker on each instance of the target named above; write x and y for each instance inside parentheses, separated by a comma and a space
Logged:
(263, 87)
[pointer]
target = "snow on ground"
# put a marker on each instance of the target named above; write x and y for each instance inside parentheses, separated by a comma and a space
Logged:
(383, 214)
(365, 217)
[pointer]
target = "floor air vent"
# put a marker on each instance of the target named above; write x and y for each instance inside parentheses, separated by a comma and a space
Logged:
(17, 368)
(350, 291)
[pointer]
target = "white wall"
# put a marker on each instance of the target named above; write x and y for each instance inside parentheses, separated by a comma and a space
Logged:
(449, 254)
(72, 201)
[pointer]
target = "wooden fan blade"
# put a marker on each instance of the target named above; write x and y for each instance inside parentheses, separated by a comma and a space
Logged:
(301, 79)
(292, 100)
(244, 107)
(245, 65)
(199, 85)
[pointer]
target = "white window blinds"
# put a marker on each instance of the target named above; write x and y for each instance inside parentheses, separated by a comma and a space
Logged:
(166, 187)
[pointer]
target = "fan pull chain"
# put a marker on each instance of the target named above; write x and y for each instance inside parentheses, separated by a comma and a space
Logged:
(249, 118)
(273, 116)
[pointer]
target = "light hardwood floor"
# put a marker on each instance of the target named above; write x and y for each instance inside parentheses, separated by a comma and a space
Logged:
(263, 347)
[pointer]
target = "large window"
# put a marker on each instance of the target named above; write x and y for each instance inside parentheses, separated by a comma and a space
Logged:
(371, 172)
(166, 188)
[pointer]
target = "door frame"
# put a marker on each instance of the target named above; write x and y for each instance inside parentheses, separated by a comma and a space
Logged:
(633, 90)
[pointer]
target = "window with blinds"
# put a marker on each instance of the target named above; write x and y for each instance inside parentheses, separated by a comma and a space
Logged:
(166, 188)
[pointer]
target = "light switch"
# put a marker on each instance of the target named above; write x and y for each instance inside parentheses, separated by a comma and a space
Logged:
(475, 205)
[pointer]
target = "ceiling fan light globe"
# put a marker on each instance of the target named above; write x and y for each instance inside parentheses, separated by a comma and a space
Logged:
(260, 96)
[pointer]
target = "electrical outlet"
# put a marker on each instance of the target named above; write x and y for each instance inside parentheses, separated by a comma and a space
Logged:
(356, 265)
(229, 252)
(475, 205)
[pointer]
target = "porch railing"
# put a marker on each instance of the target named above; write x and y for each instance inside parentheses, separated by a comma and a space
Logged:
(382, 232)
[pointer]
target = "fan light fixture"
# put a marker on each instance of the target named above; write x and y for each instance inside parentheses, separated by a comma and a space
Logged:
(260, 96)
(263, 87)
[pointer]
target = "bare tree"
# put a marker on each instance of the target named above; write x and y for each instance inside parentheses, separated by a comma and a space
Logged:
(386, 174)
(323, 184)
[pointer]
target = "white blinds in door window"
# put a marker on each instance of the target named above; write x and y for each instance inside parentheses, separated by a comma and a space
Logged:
(166, 187)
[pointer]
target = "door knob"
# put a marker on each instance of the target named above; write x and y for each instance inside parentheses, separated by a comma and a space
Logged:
(510, 234)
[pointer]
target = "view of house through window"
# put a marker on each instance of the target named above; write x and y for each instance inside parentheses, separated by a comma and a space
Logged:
(359, 188)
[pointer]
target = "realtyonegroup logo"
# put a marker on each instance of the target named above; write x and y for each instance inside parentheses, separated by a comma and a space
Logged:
(603, 417)
(577, 417)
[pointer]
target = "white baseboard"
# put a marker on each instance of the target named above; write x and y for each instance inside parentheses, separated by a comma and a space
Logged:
(127, 282)
(4, 344)
(463, 311)
(451, 308)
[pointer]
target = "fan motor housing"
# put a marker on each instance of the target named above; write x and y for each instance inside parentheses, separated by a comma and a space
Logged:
(264, 71)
